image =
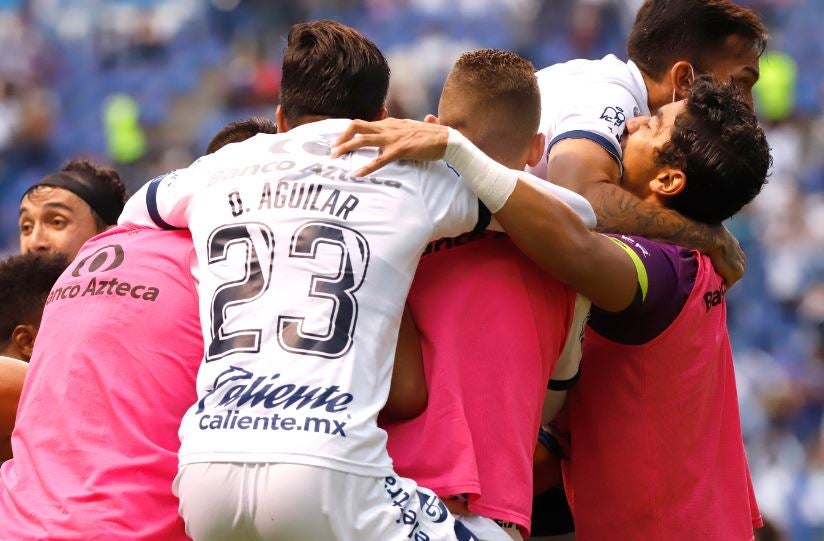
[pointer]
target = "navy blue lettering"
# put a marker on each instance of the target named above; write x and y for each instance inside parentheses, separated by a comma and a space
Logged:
(266, 197)
(280, 199)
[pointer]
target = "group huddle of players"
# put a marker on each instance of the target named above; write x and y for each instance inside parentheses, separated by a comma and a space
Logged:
(344, 326)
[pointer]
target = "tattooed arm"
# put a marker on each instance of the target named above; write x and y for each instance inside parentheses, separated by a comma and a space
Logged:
(585, 167)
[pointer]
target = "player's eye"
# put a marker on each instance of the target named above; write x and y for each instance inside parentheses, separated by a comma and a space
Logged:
(745, 83)
(25, 228)
(59, 223)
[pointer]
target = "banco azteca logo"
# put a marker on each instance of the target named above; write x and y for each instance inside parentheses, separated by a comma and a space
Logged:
(103, 259)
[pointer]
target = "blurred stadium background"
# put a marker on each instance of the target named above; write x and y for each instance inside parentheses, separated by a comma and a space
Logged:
(144, 84)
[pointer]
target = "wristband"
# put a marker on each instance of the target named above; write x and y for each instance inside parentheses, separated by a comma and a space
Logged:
(492, 182)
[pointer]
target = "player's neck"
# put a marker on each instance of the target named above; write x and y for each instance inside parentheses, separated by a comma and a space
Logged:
(12, 351)
(307, 119)
(659, 93)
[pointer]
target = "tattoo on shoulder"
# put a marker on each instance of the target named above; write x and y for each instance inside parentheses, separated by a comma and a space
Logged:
(619, 211)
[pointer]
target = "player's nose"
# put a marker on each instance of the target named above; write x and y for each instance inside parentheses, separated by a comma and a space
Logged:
(39, 240)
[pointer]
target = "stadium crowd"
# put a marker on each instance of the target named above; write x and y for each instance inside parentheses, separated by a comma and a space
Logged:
(143, 85)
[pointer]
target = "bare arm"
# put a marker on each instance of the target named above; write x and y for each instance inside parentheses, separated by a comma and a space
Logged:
(408, 394)
(552, 235)
(585, 167)
(546, 229)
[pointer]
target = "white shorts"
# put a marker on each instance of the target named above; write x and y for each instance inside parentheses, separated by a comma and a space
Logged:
(293, 502)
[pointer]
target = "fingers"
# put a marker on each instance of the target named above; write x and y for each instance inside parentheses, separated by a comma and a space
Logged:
(355, 128)
(369, 168)
(360, 127)
(388, 155)
(733, 268)
(397, 139)
(729, 258)
(356, 142)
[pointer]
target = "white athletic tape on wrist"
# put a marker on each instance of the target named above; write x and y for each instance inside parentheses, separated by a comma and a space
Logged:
(492, 182)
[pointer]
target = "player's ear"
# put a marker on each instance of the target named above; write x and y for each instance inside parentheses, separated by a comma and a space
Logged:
(384, 112)
(23, 337)
(668, 182)
(280, 118)
(536, 150)
(682, 76)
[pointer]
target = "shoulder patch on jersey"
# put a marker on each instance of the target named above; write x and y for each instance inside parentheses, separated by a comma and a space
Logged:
(614, 116)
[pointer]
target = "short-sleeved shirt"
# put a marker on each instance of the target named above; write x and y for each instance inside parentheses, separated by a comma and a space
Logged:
(590, 99)
(112, 372)
(302, 273)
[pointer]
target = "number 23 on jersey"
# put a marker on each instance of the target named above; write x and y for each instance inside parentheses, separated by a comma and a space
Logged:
(338, 284)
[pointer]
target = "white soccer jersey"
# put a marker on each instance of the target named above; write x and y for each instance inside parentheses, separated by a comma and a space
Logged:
(302, 274)
(590, 99)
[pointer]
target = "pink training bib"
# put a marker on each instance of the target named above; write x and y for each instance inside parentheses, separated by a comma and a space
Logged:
(95, 443)
(492, 326)
(656, 445)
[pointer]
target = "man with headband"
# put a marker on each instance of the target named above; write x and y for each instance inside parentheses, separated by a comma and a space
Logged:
(65, 209)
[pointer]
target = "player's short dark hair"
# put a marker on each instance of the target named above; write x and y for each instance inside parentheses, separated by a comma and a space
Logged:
(25, 282)
(666, 31)
(504, 80)
(240, 130)
(721, 149)
(501, 90)
(330, 69)
(99, 186)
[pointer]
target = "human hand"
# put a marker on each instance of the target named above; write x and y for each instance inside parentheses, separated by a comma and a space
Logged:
(398, 139)
(727, 257)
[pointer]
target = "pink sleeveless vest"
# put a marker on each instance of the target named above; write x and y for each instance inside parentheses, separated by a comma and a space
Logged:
(657, 451)
(492, 326)
(95, 442)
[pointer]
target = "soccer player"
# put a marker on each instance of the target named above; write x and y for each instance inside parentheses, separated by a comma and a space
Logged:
(63, 210)
(25, 282)
(493, 325)
(303, 273)
(656, 450)
(407, 392)
(112, 374)
(586, 104)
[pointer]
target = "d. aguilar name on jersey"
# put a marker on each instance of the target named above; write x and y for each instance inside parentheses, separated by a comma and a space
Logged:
(302, 271)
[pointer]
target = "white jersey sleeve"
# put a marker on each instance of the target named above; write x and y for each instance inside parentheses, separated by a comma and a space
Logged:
(163, 202)
(568, 366)
(453, 208)
(598, 113)
(590, 99)
(575, 201)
